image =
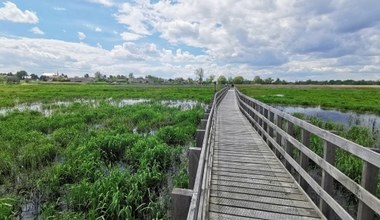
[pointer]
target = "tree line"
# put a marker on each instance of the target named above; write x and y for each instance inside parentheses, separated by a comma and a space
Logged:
(200, 78)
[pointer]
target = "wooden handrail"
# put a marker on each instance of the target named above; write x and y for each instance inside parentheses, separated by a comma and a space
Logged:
(198, 203)
(257, 113)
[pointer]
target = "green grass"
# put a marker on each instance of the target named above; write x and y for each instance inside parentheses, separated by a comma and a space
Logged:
(103, 162)
(339, 97)
(26, 93)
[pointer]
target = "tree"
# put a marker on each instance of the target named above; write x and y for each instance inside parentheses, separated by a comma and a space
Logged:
(268, 80)
(86, 75)
(98, 76)
(199, 74)
(278, 81)
(238, 80)
(258, 80)
(131, 75)
(229, 79)
(43, 78)
(21, 74)
(210, 78)
(222, 80)
(33, 76)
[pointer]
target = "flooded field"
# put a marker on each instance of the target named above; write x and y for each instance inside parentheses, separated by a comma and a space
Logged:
(47, 109)
(347, 118)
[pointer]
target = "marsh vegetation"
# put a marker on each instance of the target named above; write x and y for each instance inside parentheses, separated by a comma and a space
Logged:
(86, 161)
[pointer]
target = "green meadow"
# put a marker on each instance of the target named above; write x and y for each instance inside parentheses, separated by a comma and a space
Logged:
(356, 98)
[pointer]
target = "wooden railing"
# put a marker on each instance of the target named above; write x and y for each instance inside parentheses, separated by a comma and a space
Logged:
(198, 205)
(269, 123)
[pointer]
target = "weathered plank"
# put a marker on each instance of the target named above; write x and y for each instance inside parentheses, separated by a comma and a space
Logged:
(247, 179)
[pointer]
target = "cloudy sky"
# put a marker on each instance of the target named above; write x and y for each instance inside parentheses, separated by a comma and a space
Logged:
(290, 39)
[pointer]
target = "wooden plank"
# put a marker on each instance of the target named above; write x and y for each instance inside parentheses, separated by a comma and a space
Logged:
(254, 176)
(223, 160)
(258, 192)
(261, 171)
(256, 186)
(258, 181)
(248, 171)
(245, 173)
(264, 207)
(262, 199)
(255, 213)
(222, 216)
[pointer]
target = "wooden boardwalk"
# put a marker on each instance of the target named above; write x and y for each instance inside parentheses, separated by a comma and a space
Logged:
(247, 179)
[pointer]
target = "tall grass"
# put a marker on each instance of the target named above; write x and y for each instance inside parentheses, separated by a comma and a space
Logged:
(89, 162)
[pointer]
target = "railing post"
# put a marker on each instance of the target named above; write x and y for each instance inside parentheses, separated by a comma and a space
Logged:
(200, 134)
(278, 139)
(265, 125)
(369, 182)
(194, 154)
(289, 146)
(203, 124)
(304, 160)
(181, 199)
(327, 183)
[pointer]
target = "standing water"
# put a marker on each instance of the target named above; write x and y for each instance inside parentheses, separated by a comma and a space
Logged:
(347, 118)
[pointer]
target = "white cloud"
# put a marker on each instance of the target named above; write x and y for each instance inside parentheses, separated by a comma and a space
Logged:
(127, 36)
(98, 29)
(37, 30)
(81, 36)
(107, 3)
(288, 37)
(134, 17)
(10, 12)
(59, 9)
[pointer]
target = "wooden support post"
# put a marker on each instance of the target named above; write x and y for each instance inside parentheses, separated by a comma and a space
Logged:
(304, 160)
(289, 146)
(194, 153)
(258, 118)
(265, 125)
(199, 137)
(181, 199)
(369, 182)
(278, 122)
(261, 121)
(205, 116)
(270, 129)
(327, 183)
(203, 124)
(271, 118)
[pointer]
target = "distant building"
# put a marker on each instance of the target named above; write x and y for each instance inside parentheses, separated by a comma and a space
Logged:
(50, 76)
(137, 80)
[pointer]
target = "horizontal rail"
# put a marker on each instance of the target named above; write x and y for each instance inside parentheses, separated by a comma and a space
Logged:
(262, 117)
(197, 201)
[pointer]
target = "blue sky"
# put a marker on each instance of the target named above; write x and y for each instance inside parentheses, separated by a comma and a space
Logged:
(290, 39)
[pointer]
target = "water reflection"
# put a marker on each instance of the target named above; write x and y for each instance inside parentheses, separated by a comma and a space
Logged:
(47, 109)
(348, 118)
